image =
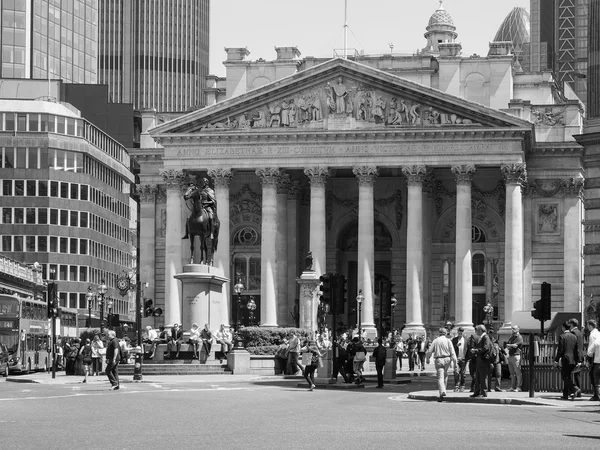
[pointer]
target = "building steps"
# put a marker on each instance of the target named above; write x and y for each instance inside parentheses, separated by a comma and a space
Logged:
(177, 367)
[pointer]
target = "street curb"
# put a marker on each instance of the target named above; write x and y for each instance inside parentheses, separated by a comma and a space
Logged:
(483, 400)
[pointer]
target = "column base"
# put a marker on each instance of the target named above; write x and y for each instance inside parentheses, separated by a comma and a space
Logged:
(268, 325)
(413, 328)
(370, 331)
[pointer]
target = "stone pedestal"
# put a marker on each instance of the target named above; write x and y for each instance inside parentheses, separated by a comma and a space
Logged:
(309, 300)
(324, 373)
(238, 360)
(203, 301)
(389, 370)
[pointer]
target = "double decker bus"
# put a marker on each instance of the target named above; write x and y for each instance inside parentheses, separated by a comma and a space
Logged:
(24, 332)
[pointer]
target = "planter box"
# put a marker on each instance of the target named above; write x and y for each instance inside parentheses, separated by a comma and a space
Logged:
(264, 365)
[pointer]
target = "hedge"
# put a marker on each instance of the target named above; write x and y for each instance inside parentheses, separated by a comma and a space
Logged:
(264, 350)
(268, 337)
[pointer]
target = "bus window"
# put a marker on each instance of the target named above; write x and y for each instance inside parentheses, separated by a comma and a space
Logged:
(9, 339)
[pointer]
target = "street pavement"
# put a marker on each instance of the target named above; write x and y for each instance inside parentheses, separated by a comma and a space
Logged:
(253, 412)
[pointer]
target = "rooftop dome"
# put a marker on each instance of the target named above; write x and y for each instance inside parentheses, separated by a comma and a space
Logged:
(515, 28)
(440, 18)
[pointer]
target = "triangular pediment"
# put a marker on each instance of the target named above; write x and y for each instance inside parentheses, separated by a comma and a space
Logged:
(339, 95)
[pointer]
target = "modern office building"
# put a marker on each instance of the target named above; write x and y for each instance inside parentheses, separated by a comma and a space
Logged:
(559, 42)
(65, 197)
(50, 39)
(455, 178)
(154, 53)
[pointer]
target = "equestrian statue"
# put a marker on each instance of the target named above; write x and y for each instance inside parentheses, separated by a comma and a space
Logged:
(203, 222)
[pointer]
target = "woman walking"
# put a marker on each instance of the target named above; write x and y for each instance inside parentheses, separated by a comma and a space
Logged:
(97, 350)
(315, 359)
(360, 356)
(86, 356)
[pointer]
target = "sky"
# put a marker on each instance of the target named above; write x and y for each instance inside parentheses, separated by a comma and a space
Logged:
(316, 26)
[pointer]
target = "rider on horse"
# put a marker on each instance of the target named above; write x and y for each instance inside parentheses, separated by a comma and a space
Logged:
(208, 200)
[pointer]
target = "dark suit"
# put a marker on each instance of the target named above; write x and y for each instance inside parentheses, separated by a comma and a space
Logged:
(577, 376)
(471, 358)
(176, 340)
(482, 349)
(459, 372)
(568, 355)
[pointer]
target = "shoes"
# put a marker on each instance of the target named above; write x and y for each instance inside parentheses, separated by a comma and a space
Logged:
(578, 394)
(564, 397)
(595, 399)
(484, 394)
(84, 381)
(512, 390)
(114, 388)
(455, 388)
(379, 387)
(517, 390)
(461, 389)
(151, 356)
(440, 399)
(422, 368)
(475, 395)
(443, 394)
(497, 389)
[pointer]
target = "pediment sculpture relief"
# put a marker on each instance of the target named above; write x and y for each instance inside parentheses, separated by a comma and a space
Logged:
(339, 104)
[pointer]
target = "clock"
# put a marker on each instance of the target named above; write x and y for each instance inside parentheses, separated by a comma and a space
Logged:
(123, 284)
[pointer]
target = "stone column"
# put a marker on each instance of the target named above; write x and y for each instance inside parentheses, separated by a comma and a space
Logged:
(147, 193)
(514, 175)
(292, 246)
(415, 175)
(573, 261)
(366, 243)
(318, 245)
(464, 273)
(281, 244)
(528, 248)
(174, 181)
(221, 179)
(268, 251)
(489, 279)
(452, 287)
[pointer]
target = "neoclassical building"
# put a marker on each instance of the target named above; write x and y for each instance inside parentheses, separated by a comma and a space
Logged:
(455, 178)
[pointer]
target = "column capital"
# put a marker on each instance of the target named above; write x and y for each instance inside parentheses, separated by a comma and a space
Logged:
(366, 175)
(175, 179)
(161, 194)
(269, 176)
(294, 190)
(515, 173)
(221, 177)
(317, 175)
(463, 173)
(415, 175)
(147, 192)
(283, 183)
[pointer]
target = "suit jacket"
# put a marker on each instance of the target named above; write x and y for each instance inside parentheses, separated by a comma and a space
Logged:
(567, 351)
(176, 335)
(483, 346)
(471, 344)
(577, 333)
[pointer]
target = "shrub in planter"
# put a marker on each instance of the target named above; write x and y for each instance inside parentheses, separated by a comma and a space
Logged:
(264, 337)
(264, 350)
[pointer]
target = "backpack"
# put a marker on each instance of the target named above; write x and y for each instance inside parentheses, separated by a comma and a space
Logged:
(73, 354)
(86, 352)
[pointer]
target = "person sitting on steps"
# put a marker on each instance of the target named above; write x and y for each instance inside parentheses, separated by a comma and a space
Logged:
(195, 339)
(175, 340)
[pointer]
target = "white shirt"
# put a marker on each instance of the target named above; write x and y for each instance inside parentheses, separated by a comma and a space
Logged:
(594, 345)
(462, 349)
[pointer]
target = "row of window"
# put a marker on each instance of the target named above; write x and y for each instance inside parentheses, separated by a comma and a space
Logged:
(78, 300)
(64, 217)
(64, 189)
(65, 245)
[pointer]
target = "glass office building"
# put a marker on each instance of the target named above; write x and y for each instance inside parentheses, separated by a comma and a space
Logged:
(56, 39)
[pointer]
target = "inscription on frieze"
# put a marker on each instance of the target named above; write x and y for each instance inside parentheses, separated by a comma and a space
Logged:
(236, 151)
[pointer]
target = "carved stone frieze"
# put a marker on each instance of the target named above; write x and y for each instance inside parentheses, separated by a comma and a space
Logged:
(499, 193)
(572, 187)
(463, 174)
(514, 173)
(548, 115)
(317, 176)
(294, 190)
(269, 176)
(161, 194)
(245, 190)
(147, 192)
(415, 175)
(283, 184)
(221, 177)
(366, 175)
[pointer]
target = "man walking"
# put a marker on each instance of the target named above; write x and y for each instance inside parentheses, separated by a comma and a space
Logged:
(113, 356)
(294, 349)
(567, 357)
(514, 344)
(443, 353)
(460, 349)
(379, 355)
(593, 357)
(574, 328)
(482, 351)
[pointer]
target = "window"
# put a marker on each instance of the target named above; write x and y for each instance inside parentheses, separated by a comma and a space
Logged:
(30, 216)
(73, 246)
(60, 125)
(42, 216)
(21, 122)
(7, 243)
(30, 243)
(18, 215)
(18, 244)
(31, 191)
(19, 187)
(53, 216)
(84, 192)
(64, 217)
(477, 234)
(83, 273)
(83, 219)
(64, 190)
(42, 243)
(254, 274)
(73, 273)
(6, 215)
(32, 158)
(42, 188)
(83, 246)
(63, 272)
(74, 216)
(74, 191)
(54, 189)
(53, 244)
(33, 122)
(64, 244)
(478, 270)
(7, 187)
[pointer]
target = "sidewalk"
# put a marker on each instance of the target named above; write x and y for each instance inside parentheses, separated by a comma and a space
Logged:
(506, 398)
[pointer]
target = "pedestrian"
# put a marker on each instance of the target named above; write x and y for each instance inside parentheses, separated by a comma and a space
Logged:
(567, 358)
(460, 349)
(593, 359)
(281, 356)
(574, 329)
(72, 354)
(411, 344)
(471, 359)
(113, 357)
(593, 353)
(483, 352)
(340, 358)
(315, 362)
(514, 344)
(399, 350)
(422, 347)
(294, 349)
(442, 351)
(97, 350)
(86, 357)
(360, 356)
(379, 354)
(498, 357)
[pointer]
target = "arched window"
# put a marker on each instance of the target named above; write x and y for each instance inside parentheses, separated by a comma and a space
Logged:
(478, 266)
(477, 234)
(246, 236)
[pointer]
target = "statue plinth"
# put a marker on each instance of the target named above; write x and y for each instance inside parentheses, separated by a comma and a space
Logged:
(309, 299)
(202, 292)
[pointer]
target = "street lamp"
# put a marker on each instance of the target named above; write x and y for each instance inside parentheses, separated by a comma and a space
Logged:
(238, 289)
(90, 298)
(109, 303)
(360, 298)
(101, 292)
(393, 302)
(251, 307)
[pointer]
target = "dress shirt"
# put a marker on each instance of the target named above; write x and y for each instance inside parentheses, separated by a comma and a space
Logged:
(441, 347)
(594, 345)
(462, 349)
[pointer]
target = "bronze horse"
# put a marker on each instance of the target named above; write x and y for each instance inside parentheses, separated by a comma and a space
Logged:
(198, 225)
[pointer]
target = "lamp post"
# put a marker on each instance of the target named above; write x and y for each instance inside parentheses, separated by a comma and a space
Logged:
(251, 307)
(393, 302)
(360, 298)
(90, 298)
(52, 298)
(101, 292)
(109, 304)
(238, 289)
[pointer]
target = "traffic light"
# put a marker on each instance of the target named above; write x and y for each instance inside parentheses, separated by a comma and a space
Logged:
(157, 312)
(148, 308)
(52, 300)
(536, 311)
(546, 301)
(325, 288)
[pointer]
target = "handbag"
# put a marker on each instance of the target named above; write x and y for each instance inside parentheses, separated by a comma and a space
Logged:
(360, 356)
